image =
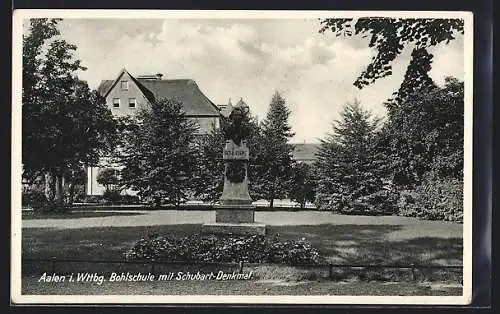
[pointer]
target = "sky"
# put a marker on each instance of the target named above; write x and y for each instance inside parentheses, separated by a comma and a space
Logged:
(250, 59)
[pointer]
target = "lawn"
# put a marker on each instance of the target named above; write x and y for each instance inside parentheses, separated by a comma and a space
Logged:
(344, 240)
(355, 244)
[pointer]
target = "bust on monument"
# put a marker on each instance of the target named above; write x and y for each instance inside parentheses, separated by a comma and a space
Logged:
(236, 128)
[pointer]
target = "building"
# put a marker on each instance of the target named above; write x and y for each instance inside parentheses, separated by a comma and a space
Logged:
(126, 94)
(305, 152)
(225, 110)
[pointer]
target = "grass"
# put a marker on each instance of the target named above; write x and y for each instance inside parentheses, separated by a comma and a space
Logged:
(91, 243)
(378, 243)
(354, 244)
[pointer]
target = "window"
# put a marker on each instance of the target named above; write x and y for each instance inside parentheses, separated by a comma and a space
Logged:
(116, 102)
(131, 102)
(124, 85)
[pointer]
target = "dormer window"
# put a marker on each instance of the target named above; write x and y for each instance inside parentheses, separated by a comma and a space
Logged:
(116, 102)
(131, 102)
(124, 85)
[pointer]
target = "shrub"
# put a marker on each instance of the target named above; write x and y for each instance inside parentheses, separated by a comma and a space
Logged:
(129, 199)
(108, 177)
(50, 206)
(32, 197)
(251, 249)
(434, 200)
(79, 194)
(382, 202)
(35, 199)
(97, 199)
(112, 197)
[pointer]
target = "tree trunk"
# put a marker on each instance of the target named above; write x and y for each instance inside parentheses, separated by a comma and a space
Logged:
(271, 203)
(49, 186)
(71, 192)
(59, 188)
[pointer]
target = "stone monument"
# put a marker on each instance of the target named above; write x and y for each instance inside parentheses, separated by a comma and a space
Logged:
(235, 213)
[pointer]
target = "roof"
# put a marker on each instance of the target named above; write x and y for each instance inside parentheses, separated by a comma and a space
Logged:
(104, 86)
(306, 151)
(186, 90)
(225, 110)
(241, 104)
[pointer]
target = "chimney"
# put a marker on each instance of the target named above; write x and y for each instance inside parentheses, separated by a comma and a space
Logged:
(159, 76)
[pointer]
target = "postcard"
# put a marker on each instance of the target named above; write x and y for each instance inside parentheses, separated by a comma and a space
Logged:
(241, 157)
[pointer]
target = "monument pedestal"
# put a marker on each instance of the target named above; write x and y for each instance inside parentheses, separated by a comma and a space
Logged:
(234, 214)
(234, 228)
(235, 219)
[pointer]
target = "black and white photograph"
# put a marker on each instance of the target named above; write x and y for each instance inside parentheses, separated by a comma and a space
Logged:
(250, 157)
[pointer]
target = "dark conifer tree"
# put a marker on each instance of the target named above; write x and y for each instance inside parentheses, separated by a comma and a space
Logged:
(274, 162)
(160, 153)
(350, 166)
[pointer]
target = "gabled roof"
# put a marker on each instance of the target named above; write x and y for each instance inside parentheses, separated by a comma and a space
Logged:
(225, 110)
(185, 90)
(305, 151)
(107, 85)
(147, 93)
(104, 86)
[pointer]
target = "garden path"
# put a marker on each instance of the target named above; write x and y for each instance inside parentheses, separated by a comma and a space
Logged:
(413, 226)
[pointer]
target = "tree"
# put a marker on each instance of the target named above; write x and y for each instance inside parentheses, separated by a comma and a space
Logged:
(389, 36)
(41, 30)
(65, 125)
(108, 177)
(159, 153)
(351, 177)
(426, 134)
(210, 178)
(273, 163)
(75, 177)
(303, 184)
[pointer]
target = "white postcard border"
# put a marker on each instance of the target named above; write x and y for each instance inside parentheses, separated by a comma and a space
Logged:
(16, 174)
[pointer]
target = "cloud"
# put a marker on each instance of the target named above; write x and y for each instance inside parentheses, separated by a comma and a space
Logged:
(185, 40)
(448, 61)
(249, 59)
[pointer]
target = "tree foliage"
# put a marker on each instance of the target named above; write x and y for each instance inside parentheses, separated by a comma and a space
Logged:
(210, 178)
(426, 134)
(434, 199)
(388, 37)
(159, 153)
(273, 163)
(65, 124)
(109, 178)
(351, 171)
(40, 31)
(303, 184)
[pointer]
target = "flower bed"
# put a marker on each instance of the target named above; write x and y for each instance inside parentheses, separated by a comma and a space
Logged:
(224, 249)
